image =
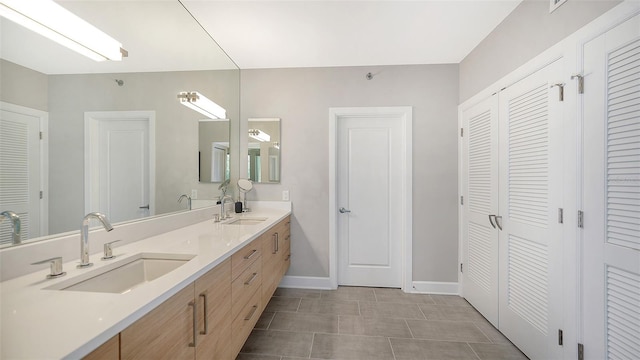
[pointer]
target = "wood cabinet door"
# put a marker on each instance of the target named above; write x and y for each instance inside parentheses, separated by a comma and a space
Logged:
(213, 296)
(166, 332)
(110, 350)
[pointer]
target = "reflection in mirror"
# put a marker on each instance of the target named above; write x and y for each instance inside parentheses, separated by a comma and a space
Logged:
(264, 150)
(51, 96)
(213, 150)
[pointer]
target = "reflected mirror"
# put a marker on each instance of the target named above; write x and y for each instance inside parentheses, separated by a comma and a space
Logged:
(213, 150)
(264, 150)
(110, 122)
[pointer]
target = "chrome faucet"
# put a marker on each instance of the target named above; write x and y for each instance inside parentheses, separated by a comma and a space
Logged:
(222, 202)
(184, 196)
(15, 225)
(84, 236)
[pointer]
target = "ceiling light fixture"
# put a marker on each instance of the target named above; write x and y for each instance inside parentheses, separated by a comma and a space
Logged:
(53, 21)
(259, 135)
(200, 103)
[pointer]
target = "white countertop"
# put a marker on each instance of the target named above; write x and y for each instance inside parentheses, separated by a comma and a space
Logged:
(53, 324)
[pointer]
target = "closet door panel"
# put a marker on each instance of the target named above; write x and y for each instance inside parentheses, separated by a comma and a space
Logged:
(611, 199)
(530, 195)
(480, 161)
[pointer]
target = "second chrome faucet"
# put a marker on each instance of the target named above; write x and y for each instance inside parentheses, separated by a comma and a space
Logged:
(84, 236)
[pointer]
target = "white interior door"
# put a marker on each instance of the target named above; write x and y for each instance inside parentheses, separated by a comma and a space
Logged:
(218, 162)
(369, 180)
(531, 193)
(22, 166)
(611, 199)
(120, 165)
(480, 167)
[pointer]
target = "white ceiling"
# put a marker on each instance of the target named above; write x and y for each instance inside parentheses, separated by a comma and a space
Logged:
(161, 36)
(275, 34)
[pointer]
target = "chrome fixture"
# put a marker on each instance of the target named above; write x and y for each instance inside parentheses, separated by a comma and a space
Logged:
(184, 196)
(15, 225)
(108, 251)
(223, 200)
(84, 236)
(56, 267)
(198, 102)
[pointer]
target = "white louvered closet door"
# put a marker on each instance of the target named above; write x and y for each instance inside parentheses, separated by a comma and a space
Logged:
(530, 194)
(20, 170)
(480, 157)
(611, 199)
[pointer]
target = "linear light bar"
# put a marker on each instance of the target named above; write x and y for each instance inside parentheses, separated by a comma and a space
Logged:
(200, 103)
(53, 21)
(259, 135)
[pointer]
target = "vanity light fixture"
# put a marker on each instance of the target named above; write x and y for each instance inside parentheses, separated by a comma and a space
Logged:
(198, 102)
(259, 135)
(53, 21)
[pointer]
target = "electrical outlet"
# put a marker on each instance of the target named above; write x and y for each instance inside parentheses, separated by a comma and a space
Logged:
(194, 194)
(285, 195)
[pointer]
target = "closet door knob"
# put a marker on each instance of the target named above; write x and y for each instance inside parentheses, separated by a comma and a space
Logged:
(343, 210)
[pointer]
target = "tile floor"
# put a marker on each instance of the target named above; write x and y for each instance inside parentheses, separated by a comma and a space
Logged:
(373, 323)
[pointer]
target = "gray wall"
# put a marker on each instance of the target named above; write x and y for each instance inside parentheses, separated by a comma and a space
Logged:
(525, 33)
(176, 132)
(302, 98)
(23, 86)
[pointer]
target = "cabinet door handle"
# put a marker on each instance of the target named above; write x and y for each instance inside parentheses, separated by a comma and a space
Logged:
(204, 314)
(250, 280)
(195, 324)
(498, 221)
(253, 252)
(254, 308)
(491, 221)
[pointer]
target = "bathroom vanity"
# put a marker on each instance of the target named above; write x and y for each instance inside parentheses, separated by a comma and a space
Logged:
(213, 280)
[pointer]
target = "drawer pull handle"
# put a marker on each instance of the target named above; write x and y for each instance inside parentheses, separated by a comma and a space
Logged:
(288, 238)
(288, 257)
(195, 324)
(253, 277)
(275, 243)
(254, 308)
(253, 252)
(204, 314)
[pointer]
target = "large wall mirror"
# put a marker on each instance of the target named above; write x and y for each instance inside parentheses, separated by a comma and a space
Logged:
(96, 115)
(263, 150)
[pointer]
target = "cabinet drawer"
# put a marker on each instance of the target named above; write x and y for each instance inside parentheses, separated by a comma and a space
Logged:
(244, 286)
(286, 263)
(110, 350)
(242, 259)
(245, 321)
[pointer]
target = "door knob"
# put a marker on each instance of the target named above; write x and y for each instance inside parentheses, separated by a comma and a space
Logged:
(343, 210)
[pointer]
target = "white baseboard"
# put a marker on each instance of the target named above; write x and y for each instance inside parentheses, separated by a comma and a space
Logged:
(306, 282)
(435, 287)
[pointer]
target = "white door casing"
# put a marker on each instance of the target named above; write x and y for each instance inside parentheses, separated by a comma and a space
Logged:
(479, 173)
(611, 194)
(531, 157)
(120, 164)
(370, 175)
(24, 169)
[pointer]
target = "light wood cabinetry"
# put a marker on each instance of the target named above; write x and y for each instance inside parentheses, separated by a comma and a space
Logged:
(212, 317)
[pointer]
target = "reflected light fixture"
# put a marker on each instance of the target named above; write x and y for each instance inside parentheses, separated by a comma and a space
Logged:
(259, 135)
(200, 103)
(276, 145)
(56, 23)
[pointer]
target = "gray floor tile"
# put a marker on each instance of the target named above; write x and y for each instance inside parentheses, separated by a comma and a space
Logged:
(390, 310)
(307, 322)
(452, 300)
(298, 293)
(498, 352)
(398, 296)
(350, 293)
(350, 347)
(338, 307)
(280, 343)
(414, 349)
(264, 320)
(281, 303)
(372, 326)
(452, 313)
(242, 356)
(491, 332)
(446, 330)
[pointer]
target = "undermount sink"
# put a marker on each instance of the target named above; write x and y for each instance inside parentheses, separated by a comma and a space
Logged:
(246, 221)
(124, 275)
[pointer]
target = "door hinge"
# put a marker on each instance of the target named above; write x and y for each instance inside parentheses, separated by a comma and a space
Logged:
(461, 268)
(461, 200)
(560, 340)
(580, 352)
(41, 194)
(40, 135)
(461, 132)
(580, 219)
(560, 216)
(580, 78)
